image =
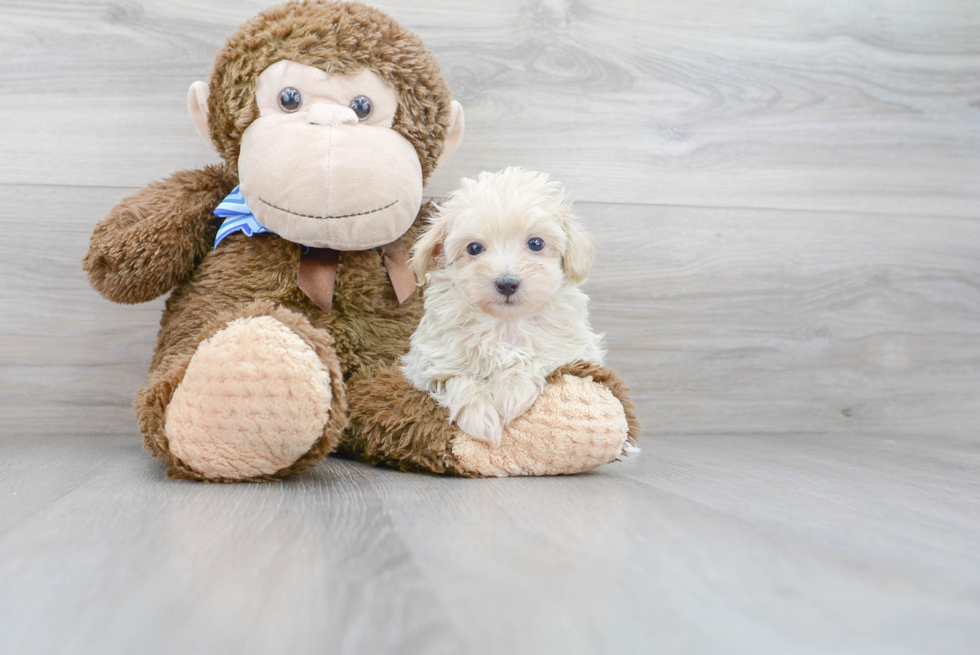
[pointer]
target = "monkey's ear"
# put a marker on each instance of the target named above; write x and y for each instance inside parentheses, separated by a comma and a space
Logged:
(197, 105)
(426, 247)
(579, 253)
(455, 133)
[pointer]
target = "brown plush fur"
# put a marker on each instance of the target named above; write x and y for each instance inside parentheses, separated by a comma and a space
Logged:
(368, 325)
(152, 241)
(337, 38)
(395, 424)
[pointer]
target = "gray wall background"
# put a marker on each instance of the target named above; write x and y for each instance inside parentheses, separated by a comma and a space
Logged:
(785, 194)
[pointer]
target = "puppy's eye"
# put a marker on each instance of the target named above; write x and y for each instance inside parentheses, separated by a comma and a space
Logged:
(535, 244)
(474, 249)
(290, 99)
(362, 107)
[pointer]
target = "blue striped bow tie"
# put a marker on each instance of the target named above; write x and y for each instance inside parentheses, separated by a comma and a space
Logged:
(238, 217)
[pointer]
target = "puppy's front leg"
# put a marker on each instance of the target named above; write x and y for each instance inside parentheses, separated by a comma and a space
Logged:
(471, 407)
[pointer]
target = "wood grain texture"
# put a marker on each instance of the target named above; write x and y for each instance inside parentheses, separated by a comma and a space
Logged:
(774, 321)
(162, 569)
(734, 544)
(804, 104)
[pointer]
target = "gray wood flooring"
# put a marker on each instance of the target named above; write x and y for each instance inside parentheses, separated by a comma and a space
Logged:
(723, 543)
(787, 201)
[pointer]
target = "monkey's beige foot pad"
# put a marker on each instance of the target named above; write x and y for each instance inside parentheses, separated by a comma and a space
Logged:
(582, 420)
(254, 399)
(575, 425)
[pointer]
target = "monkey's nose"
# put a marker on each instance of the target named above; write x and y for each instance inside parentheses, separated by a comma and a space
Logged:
(324, 113)
(507, 286)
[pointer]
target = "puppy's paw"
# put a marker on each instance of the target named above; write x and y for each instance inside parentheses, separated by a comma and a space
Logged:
(481, 421)
(514, 394)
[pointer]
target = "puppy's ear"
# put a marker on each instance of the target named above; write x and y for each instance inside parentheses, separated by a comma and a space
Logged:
(426, 247)
(579, 253)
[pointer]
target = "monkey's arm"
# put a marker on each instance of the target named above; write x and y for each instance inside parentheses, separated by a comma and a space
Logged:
(153, 239)
(583, 419)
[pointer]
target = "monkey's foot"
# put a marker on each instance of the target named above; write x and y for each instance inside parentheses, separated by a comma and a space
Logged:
(575, 425)
(583, 419)
(254, 399)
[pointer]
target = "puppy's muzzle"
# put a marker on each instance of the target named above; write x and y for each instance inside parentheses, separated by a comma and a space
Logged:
(507, 286)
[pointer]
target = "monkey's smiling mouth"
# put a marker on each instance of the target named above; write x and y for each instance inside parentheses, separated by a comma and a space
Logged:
(373, 211)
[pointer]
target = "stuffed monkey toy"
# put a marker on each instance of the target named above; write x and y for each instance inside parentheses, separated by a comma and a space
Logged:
(291, 292)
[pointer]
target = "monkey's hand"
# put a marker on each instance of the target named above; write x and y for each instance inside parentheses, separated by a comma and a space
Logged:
(153, 240)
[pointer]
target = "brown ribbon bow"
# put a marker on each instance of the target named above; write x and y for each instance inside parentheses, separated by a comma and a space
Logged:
(318, 273)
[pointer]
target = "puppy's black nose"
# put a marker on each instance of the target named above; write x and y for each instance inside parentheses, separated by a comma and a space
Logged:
(507, 285)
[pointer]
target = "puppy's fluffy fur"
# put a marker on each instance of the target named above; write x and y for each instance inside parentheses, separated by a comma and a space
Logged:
(482, 353)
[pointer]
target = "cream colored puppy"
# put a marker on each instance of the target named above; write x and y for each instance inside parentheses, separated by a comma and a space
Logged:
(502, 308)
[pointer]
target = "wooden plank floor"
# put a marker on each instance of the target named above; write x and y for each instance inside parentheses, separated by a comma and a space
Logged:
(734, 544)
(787, 202)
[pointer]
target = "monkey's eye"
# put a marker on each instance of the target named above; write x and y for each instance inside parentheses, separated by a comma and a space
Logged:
(290, 99)
(474, 249)
(535, 244)
(362, 107)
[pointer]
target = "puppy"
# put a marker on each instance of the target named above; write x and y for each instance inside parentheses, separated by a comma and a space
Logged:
(503, 308)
